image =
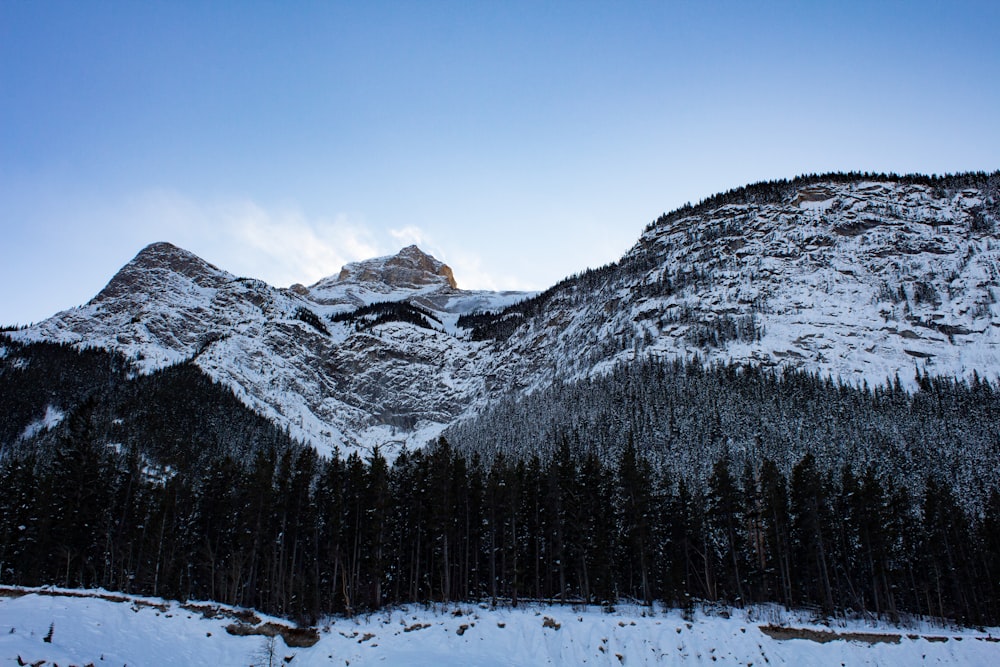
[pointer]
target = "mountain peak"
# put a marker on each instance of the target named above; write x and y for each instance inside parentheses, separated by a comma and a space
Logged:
(162, 254)
(159, 257)
(410, 268)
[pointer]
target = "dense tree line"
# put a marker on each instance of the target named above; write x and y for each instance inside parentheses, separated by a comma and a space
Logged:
(684, 416)
(293, 534)
(658, 481)
(381, 312)
(312, 319)
(776, 191)
(176, 416)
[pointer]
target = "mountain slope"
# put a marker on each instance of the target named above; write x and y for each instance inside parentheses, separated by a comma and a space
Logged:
(854, 278)
(861, 278)
(175, 417)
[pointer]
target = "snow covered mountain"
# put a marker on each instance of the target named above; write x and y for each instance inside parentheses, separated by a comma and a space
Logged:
(857, 279)
(354, 383)
(860, 278)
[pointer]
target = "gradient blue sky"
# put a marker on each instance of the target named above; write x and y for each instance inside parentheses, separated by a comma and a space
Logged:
(517, 141)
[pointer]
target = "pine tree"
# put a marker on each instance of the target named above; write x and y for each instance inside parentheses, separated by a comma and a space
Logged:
(776, 523)
(77, 505)
(810, 541)
(725, 534)
(20, 519)
(635, 506)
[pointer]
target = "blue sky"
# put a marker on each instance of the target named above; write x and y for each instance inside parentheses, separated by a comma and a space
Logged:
(518, 141)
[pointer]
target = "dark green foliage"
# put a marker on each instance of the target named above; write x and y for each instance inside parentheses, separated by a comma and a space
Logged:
(982, 222)
(726, 523)
(490, 325)
(382, 312)
(289, 533)
(45, 374)
(501, 324)
(635, 516)
(312, 319)
(684, 417)
(176, 417)
(924, 292)
(811, 543)
(722, 330)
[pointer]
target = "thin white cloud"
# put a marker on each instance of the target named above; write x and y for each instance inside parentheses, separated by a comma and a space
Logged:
(467, 266)
(279, 246)
(413, 235)
(471, 274)
(409, 235)
(283, 246)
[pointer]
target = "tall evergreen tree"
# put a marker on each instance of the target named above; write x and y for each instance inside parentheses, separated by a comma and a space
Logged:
(635, 507)
(726, 538)
(810, 539)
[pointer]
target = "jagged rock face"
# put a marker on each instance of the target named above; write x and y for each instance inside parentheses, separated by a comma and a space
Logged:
(859, 280)
(159, 260)
(411, 268)
(159, 309)
(409, 274)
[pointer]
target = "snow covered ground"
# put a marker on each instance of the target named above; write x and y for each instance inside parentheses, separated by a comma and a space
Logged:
(120, 630)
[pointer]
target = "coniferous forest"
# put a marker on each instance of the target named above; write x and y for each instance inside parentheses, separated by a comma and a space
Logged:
(292, 534)
(166, 485)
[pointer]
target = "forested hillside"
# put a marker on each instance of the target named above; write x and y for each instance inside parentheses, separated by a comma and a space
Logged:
(285, 531)
(786, 393)
(684, 417)
(176, 417)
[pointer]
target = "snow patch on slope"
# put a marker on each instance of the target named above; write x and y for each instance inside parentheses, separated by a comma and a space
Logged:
(52, 418)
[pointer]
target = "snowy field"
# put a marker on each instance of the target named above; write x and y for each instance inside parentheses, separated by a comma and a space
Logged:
(118, 630)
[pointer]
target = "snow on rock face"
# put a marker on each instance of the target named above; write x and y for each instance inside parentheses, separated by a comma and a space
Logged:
(386, 279)
(858, 281)
(159, 309)
(51, 419)
(410, 268)
(156, 260)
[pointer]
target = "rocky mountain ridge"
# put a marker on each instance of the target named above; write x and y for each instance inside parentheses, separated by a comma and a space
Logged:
(861, 278)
